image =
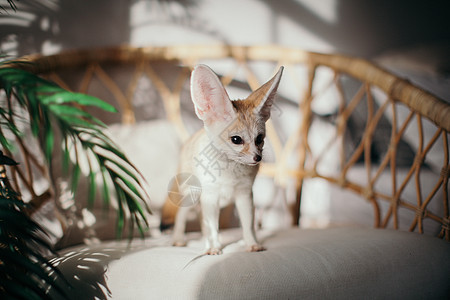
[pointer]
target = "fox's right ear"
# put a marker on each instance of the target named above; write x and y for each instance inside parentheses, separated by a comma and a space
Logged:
(210, 99)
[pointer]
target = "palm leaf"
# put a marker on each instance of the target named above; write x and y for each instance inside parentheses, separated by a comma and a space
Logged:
(49, 107)
(25, 272)
(62, 97)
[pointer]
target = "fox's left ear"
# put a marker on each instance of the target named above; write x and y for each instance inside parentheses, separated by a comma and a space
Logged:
(267, 94)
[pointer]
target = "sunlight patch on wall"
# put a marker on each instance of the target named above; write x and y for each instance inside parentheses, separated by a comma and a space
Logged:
(178, 22)
(17, 18)
(294, 34)
(166, 22)
(324, 9)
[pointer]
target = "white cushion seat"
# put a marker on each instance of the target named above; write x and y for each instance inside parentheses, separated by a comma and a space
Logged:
(336, 263)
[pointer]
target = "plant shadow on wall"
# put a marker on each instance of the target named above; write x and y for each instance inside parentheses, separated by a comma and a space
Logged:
(27, 26)
(55, 118)
(182, 14)
(47, 26)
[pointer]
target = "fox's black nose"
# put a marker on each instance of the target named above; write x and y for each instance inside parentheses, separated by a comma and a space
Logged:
(257, 158)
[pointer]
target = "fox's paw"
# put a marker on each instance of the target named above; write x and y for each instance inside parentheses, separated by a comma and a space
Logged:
(179, 244)
(213, 251)
(255, 248)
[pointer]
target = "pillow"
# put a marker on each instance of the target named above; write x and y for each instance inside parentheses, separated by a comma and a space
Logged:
(151, 146)
(426, 66)
(348, 207)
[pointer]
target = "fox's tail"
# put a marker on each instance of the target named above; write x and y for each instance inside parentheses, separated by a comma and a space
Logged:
(170, 209)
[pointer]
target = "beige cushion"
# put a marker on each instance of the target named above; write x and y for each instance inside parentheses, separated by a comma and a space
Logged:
(339, 263)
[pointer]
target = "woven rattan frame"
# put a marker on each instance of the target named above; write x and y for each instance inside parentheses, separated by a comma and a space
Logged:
(422, 106)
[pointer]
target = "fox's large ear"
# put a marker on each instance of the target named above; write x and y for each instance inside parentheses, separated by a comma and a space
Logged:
(210, 99)
(267, 94)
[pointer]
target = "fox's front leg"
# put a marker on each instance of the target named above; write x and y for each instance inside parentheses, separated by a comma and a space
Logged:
(210, 222)
(246, 211)
(180, 226)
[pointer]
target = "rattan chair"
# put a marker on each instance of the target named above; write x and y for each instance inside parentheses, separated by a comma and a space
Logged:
(93, 65)
(115, 74)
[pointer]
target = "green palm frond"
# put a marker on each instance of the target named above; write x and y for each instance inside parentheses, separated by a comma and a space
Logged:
(25, 272)
(51, 108)
(52, 111)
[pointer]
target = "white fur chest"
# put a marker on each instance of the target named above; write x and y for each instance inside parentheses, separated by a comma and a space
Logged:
(225, 178)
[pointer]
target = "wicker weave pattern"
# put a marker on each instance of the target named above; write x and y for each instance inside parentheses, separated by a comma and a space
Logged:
(397, 93)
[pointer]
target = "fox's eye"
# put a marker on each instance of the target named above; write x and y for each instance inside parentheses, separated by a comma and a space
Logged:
(259, 139)
(237, 140)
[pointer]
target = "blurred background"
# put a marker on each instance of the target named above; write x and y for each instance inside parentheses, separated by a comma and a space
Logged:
(361, 28)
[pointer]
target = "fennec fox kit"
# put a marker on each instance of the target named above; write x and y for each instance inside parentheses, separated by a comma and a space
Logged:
(233, 134)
